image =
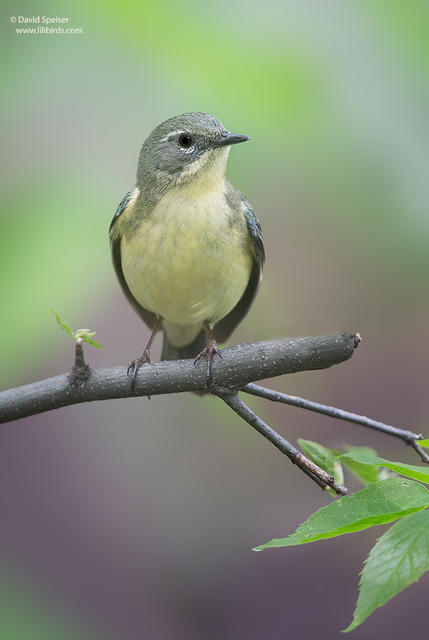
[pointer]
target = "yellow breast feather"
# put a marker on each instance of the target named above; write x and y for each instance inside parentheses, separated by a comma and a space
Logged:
(185, 261)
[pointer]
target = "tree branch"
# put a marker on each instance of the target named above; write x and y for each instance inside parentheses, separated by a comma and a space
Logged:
(319, 476)
(234, 371)
(238, 365)
(409, 437)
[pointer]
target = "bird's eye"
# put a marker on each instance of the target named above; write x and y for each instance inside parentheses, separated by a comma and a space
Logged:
(185, 140)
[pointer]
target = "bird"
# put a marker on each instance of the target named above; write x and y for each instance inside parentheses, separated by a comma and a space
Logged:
(186, 245)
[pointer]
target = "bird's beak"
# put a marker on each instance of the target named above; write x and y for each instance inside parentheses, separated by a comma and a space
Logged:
(230, 138)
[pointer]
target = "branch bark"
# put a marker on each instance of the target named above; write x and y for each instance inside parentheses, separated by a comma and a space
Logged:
(238, 366)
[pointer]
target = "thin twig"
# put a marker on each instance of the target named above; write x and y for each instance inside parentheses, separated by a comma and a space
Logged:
(409, 437)
(322, 478)
(422, 453)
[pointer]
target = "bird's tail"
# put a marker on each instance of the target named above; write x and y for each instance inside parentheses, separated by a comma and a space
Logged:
(169, 352)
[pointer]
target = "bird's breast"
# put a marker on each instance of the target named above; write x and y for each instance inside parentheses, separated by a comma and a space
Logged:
(189, 260)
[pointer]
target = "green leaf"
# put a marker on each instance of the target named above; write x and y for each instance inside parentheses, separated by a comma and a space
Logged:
(352, 448)
(400, 557)
(92, 342)
(86, 335)
(64, 326)
(411, 471)
(323, 457)
(338, 472)
(424, 443)
(79, 333)
(366, 473)
(378, 503)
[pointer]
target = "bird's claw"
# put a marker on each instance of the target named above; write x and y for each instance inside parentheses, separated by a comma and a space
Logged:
(135, 365)
(209, 352)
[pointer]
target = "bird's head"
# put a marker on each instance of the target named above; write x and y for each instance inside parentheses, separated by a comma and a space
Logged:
(186, 148)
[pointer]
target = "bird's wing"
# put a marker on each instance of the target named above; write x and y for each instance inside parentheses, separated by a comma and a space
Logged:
(121, 208)
(115, 244)
(223, 329)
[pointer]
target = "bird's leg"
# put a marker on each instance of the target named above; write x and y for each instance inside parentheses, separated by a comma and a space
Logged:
(145, 357)
(209, 352)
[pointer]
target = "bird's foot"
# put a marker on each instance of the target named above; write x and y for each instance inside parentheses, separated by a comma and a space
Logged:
(208, 353)
(135, 365)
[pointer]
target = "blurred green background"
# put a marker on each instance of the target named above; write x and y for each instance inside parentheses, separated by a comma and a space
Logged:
(135, 518)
